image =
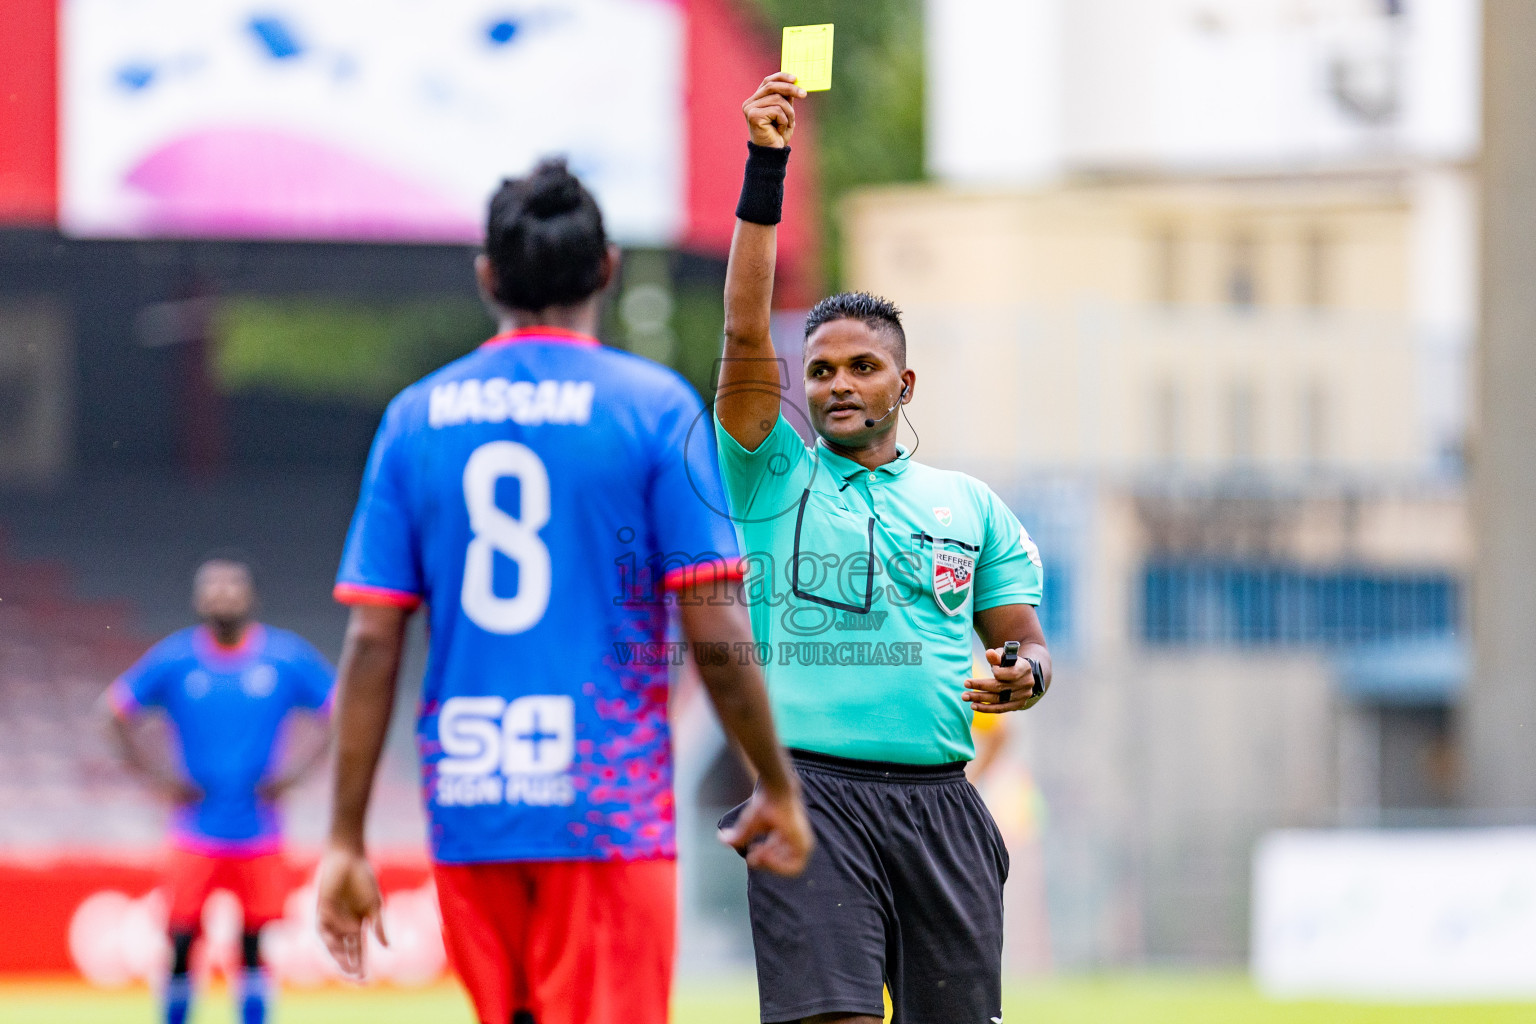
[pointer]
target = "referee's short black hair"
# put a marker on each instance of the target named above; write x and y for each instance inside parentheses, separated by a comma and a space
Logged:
(876, 313)
(545, 239)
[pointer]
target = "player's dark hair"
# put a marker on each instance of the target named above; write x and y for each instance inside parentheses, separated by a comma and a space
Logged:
(874, 312)
(545, 240)
(227, 556)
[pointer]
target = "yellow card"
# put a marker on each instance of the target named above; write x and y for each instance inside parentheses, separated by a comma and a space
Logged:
(808, 56)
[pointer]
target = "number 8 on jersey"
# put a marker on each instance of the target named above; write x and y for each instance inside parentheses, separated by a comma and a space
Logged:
(517, 538)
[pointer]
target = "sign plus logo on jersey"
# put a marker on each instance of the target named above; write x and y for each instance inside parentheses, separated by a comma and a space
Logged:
(516, 752)
(953, 574)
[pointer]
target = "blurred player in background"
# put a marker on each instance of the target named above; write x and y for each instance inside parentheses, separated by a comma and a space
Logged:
(905, 888)
(227, 687)
(541, 497)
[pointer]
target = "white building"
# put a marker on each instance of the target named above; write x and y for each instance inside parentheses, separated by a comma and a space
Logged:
(1034, 90)
(1030, 94)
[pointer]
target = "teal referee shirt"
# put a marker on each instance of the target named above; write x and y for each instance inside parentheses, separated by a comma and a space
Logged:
(862, 586)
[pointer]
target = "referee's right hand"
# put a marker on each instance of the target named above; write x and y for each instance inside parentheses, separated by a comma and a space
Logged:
(770, 112)
(773, 833)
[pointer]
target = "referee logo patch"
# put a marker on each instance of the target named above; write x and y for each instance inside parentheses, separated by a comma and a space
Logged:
(953, 574)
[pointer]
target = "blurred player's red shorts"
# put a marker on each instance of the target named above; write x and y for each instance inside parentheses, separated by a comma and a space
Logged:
(574, 942)
(260, 882)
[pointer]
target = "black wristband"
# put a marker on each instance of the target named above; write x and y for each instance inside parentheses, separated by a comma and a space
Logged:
(762, 187)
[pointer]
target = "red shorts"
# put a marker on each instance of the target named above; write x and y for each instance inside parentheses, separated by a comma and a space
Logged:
(574, 942)
(259, 881)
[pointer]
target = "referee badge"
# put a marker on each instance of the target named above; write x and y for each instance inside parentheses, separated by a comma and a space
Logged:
(953, 574)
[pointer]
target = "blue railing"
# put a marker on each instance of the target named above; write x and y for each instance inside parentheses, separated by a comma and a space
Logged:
(1237, 604)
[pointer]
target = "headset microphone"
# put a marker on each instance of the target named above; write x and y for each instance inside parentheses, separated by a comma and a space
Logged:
(869, 423)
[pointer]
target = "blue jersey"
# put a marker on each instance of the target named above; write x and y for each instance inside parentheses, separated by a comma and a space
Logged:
(227, 706)
(540, 495)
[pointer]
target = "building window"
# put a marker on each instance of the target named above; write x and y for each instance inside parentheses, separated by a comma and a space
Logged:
(1316, 268)
(1190, 602)
(1315, 428)
(1167, 259)
(1242, 272)
(1242, 423)
(1167, 438)
(912, 257)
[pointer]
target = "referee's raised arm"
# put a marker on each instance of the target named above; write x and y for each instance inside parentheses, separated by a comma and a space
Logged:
(748, 391)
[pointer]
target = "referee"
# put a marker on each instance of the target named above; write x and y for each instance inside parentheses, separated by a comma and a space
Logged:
(868, 572)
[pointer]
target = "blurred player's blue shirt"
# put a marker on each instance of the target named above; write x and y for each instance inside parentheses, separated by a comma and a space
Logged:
(228, 706)
(539, 495)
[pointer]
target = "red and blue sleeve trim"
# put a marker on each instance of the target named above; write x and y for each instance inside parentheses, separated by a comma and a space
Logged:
(702, 572)
(363, 593)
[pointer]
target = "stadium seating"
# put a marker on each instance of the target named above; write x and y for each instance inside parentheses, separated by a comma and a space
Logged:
(59, 784)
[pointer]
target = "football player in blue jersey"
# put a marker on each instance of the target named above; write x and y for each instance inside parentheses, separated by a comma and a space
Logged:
(228, 687)
(546, 497)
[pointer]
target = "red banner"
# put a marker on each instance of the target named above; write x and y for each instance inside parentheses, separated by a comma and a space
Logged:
(102, 916)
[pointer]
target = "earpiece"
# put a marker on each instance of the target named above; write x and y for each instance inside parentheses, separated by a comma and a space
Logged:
(904, 388)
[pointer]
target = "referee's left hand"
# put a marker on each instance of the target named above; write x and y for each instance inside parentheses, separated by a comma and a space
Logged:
(985, 695)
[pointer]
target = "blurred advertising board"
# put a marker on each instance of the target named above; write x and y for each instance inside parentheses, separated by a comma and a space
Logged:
(28, 92)
(1402, 915)
(387, 120)
(102, 916)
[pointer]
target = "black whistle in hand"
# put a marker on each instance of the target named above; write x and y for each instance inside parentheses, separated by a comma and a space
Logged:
(1010, 659)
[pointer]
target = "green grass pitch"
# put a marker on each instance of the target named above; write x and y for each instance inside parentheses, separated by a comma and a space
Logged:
(1116, 999)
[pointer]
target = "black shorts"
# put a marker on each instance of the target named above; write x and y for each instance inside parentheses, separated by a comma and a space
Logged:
(904, 889)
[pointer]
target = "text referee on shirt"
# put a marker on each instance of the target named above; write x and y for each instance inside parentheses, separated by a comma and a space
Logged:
(905, 886)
